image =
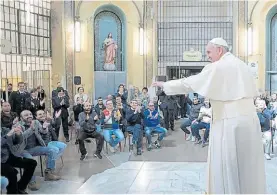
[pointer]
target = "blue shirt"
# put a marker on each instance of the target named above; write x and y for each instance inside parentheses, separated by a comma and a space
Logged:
(151, 121)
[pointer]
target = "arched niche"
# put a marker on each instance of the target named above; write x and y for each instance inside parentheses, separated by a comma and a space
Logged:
(109, 19)
(271, 50)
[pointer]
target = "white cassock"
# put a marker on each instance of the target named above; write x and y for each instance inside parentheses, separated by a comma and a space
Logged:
(236, 158)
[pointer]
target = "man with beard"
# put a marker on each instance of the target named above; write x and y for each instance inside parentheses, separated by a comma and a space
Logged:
(48, 134)
(87, 121)
(35, 146)
(99, 107)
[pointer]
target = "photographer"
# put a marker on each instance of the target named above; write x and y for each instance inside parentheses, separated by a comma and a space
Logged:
(87, 120)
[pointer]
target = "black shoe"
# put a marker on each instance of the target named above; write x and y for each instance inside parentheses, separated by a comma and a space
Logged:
(186, 131)
(149, 147)
(132, 147)
(83, 156)
(77, 142)
(172, 128)
(157, 144)
(67, 139)
(97, 155)
(139, 152)
(22, 192)
(88, 140)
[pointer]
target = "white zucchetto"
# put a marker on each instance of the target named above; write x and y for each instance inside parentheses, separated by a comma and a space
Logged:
(219, 41)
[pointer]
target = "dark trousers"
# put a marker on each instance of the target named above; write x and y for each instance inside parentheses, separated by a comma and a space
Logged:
(99, 141)
(8, 170)
(64, 122)
(169, 116)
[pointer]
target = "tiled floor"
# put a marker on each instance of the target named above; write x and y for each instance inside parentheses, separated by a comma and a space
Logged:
(179, 167)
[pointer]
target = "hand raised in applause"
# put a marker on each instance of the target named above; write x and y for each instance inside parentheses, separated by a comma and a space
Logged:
(58, 114)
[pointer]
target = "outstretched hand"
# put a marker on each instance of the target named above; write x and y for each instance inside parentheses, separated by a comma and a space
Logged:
(158, 84)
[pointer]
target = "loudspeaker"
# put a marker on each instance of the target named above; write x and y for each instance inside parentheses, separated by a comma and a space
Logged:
(77, 80)
(161, 78)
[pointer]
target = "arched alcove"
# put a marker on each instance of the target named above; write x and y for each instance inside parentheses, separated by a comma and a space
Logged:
(109, 51)
(109, 19)
(271, 50)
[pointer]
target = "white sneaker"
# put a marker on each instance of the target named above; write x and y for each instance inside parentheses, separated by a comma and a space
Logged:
(267, 156)
(112, 149)
(193, 139)
(189, 137)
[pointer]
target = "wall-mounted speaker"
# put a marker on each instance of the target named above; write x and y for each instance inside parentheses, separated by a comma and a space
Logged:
(77, 80)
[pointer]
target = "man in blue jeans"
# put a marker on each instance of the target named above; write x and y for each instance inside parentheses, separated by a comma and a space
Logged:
(110, 118)
(134, 117)
(35, 146)
(152, 124)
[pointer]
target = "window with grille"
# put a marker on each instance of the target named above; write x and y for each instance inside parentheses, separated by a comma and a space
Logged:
(189, 25)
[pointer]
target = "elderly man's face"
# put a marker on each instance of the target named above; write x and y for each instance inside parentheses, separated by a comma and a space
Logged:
(261, 104)
(134, 104)
(41, 116)
(214, 53)
(109, 104)
(87, 106)
(26, 116)
(151, 106)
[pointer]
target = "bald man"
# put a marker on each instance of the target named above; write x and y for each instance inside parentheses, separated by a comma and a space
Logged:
(236, 159)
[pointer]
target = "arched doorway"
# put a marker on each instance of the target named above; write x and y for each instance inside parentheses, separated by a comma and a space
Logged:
(109, 50)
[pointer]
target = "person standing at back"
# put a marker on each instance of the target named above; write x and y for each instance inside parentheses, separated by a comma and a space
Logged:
(236, 159)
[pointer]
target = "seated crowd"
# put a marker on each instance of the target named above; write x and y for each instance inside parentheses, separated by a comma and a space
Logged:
(28, 130)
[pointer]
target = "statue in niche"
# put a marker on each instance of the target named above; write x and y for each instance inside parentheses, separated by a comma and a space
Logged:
(110, 48)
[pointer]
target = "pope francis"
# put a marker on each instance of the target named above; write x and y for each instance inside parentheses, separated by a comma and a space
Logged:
(236, 158)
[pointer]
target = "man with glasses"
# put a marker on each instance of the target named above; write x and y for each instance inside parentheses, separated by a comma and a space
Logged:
(134, 117)
(152, 124)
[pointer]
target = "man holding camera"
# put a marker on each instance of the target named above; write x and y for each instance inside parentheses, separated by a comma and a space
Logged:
(87, 121)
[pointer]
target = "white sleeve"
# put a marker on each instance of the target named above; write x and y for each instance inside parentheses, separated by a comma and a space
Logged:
(176, 87)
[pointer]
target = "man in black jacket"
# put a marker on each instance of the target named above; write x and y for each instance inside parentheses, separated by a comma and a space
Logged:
(18, 98)
(61, 102)
(9, 161)
(134, 117)
(34, 103)
(88, 120)
(167, 106)
(99, 107)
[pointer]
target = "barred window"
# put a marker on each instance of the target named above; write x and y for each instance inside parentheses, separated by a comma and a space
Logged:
(27, 25)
